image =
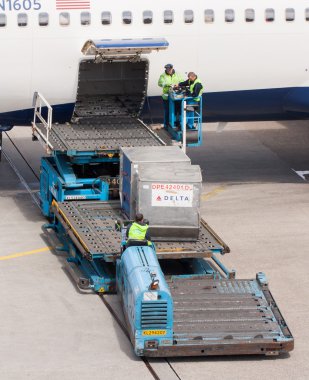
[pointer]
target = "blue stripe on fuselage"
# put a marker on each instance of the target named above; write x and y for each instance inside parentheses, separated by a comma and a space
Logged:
(247, 105)
(62, 113)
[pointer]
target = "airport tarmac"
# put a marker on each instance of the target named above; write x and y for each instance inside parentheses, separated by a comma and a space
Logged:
(252, 198)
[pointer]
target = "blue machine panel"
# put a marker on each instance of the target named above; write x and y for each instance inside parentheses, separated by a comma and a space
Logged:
(149, 312)
(126, 185)
(59, 182)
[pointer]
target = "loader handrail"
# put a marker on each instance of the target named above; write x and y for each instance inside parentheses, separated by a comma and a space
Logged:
(40, 102)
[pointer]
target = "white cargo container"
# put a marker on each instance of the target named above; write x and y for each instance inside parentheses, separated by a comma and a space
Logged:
(169, 197)
(131, 162)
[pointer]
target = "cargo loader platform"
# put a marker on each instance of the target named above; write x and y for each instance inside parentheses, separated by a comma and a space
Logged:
(96, 135)
(93, 226)
(224, 317)
(110, 98)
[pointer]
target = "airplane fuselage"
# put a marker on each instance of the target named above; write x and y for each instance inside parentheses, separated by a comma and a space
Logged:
(251, 69)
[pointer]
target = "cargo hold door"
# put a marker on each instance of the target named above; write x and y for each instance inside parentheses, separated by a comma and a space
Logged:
(110, 49)
(113, 77)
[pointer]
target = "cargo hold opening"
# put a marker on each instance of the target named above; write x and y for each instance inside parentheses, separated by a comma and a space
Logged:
(103, 84)
(115, 76)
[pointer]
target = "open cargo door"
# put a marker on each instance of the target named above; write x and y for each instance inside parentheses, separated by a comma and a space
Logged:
(113, 78)
(121, 48)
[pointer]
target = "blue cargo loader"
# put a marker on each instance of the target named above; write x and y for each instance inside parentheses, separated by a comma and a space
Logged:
(197, 314)
(178, 298)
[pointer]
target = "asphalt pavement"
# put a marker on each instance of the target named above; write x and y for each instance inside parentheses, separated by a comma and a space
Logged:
(252, 197)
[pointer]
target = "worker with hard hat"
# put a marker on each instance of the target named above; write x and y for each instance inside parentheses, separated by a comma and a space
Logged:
(168, 79)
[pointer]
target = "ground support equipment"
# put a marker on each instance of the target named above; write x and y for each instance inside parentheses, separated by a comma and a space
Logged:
(200, 313)
(199, 308)
(178, 298)
(180, 107)
(87, 232)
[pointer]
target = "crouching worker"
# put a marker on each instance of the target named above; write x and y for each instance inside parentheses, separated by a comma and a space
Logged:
(138, 230)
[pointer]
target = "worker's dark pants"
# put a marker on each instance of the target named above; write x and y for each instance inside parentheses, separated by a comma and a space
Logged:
(190, 114)
(167, 110)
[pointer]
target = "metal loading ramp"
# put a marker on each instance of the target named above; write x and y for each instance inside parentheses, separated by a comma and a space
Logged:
(110, 98)
(224, 317)
(99, 135)
(93, 226)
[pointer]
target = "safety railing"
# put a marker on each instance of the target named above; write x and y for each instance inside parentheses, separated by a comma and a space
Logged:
(41, 108)
(184, 119)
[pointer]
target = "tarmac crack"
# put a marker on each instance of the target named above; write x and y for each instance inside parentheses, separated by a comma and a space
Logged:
(173, 369)
(125, 331)
(22, 180)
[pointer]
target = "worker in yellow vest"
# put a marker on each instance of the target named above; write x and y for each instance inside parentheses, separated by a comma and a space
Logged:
(195, 91)
(138, 230)
(168, 79)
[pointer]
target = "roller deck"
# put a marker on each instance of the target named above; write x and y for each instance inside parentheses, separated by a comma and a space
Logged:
(110, 97)
(224, 317)
(93, 225)
(98, 135)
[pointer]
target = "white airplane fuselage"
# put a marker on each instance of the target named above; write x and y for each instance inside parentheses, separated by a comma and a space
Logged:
(255, 70)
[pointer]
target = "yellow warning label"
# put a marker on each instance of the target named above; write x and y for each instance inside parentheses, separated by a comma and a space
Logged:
(101, 290)
(154, 332)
